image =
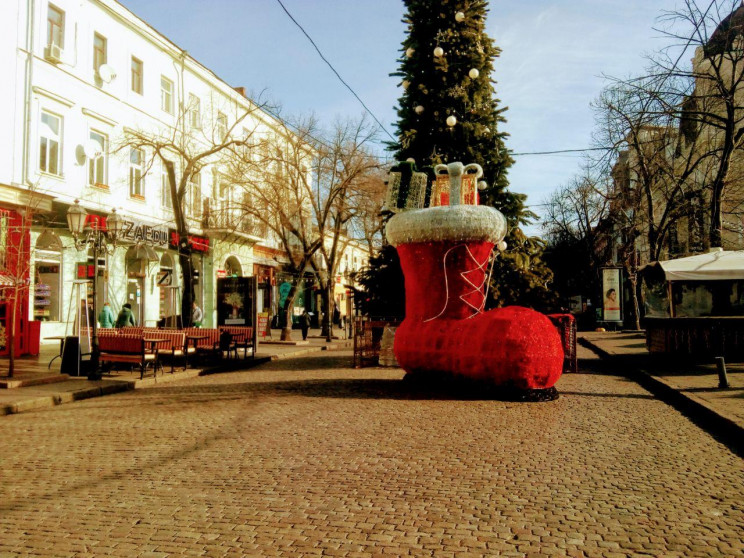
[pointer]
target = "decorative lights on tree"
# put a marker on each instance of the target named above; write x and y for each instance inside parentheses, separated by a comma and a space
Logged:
(461, 123)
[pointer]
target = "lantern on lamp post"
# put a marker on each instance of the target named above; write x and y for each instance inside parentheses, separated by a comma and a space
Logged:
(102, 240)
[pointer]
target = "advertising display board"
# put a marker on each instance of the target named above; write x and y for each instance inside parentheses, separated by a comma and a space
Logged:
(611, 294)
(236, 301)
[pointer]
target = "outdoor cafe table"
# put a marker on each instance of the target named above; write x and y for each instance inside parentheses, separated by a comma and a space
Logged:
(153, 341)
(61, 339)
(195, 339)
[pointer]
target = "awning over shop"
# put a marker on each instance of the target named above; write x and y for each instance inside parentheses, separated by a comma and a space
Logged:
(713, 266)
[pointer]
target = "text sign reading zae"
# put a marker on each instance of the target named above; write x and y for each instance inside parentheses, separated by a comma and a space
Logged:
(141, 232)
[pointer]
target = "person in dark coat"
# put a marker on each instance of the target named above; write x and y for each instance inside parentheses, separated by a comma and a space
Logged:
(125, 318)
(304, 323)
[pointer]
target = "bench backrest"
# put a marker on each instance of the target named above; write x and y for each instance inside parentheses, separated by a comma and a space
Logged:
(107, 331)
(132, 330)
(212, 336)
(245, 331)
(177, 338)
(121, 344)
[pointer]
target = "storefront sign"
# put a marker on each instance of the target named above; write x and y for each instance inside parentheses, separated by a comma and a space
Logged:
(197, 243)
(85, 271)
(263, 323)
(139, 232)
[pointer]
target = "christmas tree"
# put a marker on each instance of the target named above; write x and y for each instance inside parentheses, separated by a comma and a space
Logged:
(449, 112)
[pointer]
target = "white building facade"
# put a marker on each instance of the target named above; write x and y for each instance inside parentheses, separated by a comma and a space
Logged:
(79, 74)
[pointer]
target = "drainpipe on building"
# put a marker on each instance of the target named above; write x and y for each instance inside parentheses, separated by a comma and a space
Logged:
(28, 88)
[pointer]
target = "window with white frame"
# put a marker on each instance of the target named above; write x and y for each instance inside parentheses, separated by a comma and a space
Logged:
(194, 198)
(137, 75)
(166, 200)
(55, 27)
(100, 51)
(97, 162)
(50, 143)
(194, 111)
(166, 94)
(221, 128)
(136, 173)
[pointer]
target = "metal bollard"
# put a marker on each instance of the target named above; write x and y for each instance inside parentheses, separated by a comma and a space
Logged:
(722, 376)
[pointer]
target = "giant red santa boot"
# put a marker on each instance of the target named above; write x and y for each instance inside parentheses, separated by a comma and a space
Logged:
(444, 252)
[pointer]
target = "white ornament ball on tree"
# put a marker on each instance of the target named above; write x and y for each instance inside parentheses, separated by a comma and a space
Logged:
(482, 185)
(409, 52)
(473, 73)
(406, 83)
(438, 51)
(419, 109)
(451, 121)
(460, 17)
(501, 246)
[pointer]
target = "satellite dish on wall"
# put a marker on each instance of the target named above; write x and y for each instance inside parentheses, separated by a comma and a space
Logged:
(92, 149)
(106, 73)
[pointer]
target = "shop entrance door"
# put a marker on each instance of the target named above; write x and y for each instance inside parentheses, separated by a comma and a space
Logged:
(135, 288)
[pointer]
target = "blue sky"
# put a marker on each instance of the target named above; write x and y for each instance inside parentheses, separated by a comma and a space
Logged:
(554, 55)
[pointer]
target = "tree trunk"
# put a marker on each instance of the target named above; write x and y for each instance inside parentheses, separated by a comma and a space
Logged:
(184, 248)
(715, 218)
(328, 318)
(288, 306)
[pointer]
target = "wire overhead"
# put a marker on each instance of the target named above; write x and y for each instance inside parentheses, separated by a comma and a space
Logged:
(309, 38)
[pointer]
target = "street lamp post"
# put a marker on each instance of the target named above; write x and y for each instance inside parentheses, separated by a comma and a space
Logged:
(98, 238)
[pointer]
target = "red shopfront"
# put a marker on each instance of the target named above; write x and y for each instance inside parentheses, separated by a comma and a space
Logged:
(15, 258)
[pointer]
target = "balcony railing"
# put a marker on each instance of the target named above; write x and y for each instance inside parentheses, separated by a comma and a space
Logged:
(218, 217)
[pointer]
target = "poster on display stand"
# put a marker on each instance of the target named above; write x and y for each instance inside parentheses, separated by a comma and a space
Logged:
(611, 294)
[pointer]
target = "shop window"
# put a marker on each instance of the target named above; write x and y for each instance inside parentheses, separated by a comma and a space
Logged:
(233, 267)
(97, 164)
(4, 235)
(47, 278)
(50, 143)
(168, 302)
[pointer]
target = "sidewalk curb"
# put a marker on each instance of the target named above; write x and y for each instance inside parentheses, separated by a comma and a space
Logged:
(719, 424)
(66, 397)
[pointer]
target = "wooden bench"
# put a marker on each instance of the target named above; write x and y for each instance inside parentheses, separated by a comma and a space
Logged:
(174, 347)
(242, 336)
(130, 349)
(211, 342)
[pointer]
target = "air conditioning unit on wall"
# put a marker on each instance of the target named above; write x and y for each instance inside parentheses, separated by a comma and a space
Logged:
(53, 53)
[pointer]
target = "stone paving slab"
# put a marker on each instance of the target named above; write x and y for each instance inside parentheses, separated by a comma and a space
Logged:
(696, 382)
(43, 388)
(308, 456)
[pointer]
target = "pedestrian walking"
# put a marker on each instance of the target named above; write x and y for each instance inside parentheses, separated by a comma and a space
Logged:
(304, 323)
(125, 317)
(106, 316)
(197, 316)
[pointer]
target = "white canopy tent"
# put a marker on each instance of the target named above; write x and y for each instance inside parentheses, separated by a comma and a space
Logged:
(713, 266)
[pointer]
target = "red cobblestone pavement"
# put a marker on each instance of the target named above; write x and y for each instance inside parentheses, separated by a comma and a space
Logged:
(309, 457)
